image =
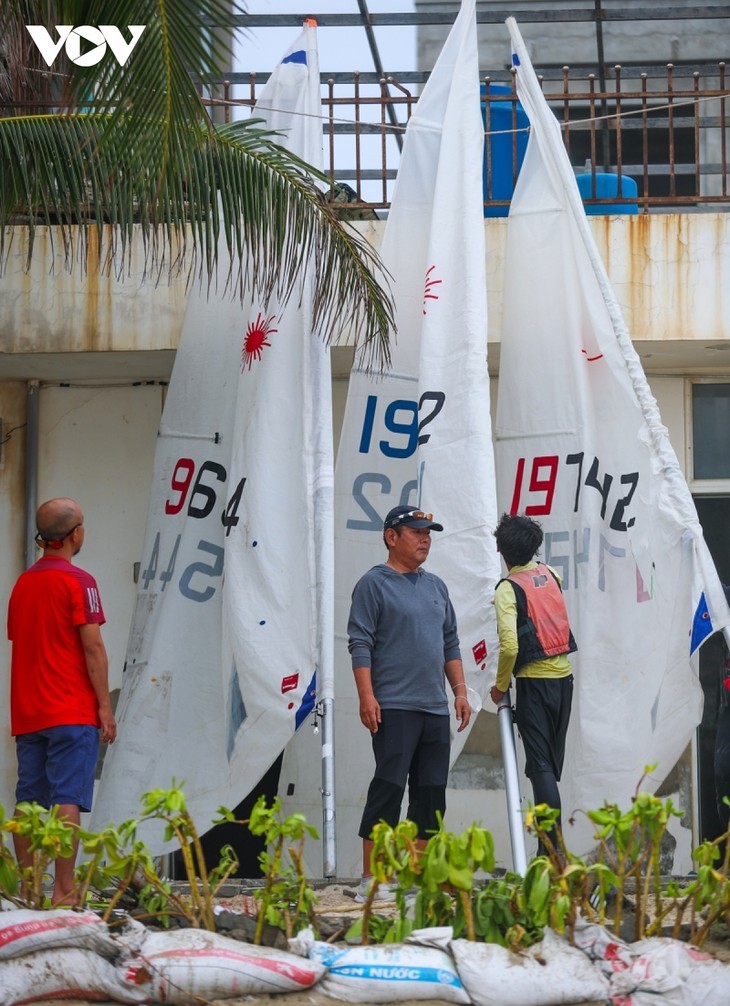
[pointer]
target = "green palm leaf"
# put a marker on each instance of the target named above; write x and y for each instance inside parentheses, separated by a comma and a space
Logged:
(147, 157)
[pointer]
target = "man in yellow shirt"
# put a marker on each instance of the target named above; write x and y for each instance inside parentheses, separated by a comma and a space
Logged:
(534, 640)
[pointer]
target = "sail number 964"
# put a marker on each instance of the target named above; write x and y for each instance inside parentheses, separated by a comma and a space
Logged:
(194, 491)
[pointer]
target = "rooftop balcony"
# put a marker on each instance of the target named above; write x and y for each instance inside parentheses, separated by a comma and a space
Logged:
(664, 127)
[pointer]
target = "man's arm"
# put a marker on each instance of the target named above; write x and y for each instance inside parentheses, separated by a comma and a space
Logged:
(454, 671)
(505, 606)
(97, 666)
(361, 629)
(369, 705)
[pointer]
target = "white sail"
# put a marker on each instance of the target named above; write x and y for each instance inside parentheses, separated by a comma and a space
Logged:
(420, 433)
(220, 669)
(581, 448)
(279, 592)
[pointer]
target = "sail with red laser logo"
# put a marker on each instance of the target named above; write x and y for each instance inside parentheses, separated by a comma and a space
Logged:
(233, 622)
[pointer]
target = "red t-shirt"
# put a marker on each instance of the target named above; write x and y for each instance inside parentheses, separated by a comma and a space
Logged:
(49, 683)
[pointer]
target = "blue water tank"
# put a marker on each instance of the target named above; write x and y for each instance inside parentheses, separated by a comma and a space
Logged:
(607, 188)
(504, 150)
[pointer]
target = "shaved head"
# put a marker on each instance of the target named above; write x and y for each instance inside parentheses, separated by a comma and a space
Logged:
(56, 517)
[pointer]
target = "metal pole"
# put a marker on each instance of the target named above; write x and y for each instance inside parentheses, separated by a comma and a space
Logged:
(512, 785)
(378, 64)
(605, 138)
(31, 471)
(329, 845)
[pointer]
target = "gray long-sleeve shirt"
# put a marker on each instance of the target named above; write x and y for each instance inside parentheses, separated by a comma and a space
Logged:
(404, 629)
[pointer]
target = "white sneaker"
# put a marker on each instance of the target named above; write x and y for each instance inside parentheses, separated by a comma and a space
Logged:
(383, 893)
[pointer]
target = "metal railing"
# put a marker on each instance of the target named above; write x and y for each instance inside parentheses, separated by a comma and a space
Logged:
(654, 138)
(662, 131)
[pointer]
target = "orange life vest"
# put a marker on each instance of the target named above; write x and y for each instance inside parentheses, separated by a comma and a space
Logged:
(543, 629)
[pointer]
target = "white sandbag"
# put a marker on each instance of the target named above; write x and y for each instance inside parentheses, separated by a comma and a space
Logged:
(24, 931)
(709, 985)
(435, 936)
(550, 973)
(663, 967)
(302, 943)
(176, 967)
(391, 972)
(610, 952)
(641, 972)
(67, 973)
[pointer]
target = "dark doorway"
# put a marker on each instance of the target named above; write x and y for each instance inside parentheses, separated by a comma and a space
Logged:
(714, 515)
(247, 846)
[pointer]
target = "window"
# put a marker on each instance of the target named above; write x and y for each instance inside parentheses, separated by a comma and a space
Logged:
(710, 430)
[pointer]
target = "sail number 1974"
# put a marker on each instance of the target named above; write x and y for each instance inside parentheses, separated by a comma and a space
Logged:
(536, 489)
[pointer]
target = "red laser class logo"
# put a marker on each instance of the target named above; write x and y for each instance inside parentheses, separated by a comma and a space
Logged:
(428, 293)
(256, 338)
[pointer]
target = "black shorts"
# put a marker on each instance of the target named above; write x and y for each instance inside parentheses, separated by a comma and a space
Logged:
(542, 715)
(411, 747)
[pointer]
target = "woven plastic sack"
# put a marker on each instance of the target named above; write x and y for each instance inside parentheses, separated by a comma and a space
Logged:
(176, 967)
(388, 973)
(548, 974)
(671, 970)
(642, 973)
(23, 931)
(66, 973)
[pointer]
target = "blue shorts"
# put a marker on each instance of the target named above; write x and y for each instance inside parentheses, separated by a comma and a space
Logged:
(57, 766)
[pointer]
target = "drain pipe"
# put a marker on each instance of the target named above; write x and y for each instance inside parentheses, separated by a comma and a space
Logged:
(31, 470)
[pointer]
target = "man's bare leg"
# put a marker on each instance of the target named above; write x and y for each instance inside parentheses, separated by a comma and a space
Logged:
(64, 891)
(367, 852)
(24, 857)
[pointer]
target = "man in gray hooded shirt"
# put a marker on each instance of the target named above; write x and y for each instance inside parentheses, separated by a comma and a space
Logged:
(404, 646)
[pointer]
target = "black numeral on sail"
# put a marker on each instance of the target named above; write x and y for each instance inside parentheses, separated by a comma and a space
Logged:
(229, 517)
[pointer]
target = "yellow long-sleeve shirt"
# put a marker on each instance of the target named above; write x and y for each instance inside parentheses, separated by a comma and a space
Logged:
(505, 606)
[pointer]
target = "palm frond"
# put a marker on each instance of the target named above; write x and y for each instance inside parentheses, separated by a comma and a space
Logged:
(237, 183)
(148, 156)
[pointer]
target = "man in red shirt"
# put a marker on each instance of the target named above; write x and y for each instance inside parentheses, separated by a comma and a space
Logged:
(59, 683)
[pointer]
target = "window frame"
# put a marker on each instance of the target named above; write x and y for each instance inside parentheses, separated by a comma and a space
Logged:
(700, 487)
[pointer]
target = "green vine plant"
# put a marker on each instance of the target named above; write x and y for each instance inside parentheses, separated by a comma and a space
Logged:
(558, 885)
(396, 859)
(446, 880)
(49, 838)
(203, 883)
(450, 863)
(439, 873)
(629, 850)
(286, 899)
(115, 858)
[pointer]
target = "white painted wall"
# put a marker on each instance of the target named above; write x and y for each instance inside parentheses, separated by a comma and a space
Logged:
(12, 540)
(97, 445)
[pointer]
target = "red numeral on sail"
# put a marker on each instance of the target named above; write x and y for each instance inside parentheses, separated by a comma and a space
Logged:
(537, 484)
(180, 485)
(514, 508)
